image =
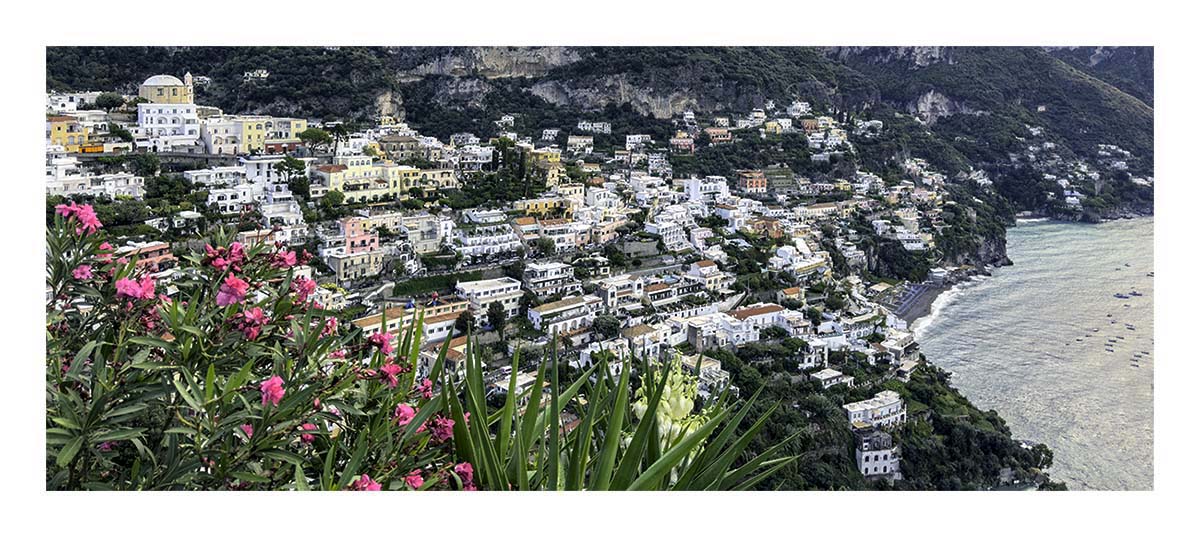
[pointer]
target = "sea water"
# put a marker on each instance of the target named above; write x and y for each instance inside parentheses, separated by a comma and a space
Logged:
(1046, 344)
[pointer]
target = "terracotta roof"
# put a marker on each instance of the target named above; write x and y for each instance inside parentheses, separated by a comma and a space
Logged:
(746, 313)
(657, 287)
(525, 221)
(330, 168)
(706, 263)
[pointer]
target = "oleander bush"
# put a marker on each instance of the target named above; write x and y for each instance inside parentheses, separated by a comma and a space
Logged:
(224, 373)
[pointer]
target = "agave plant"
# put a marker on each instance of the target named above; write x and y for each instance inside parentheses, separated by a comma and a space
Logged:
(616, 444)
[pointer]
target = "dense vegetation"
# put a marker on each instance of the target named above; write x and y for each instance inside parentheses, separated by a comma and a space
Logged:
(947, 443)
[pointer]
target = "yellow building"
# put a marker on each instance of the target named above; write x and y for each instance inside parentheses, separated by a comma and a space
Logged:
(361, 179)
(773, 127)
(67, 132)
(546, 155)
(166, 89)
(544, 206)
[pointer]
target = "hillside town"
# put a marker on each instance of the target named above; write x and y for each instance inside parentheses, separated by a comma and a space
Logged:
(603, 249)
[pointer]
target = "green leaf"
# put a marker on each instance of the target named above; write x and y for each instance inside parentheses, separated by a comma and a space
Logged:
(673, 456)
(210, 381)
(301, 481)
(69, 451)
(119, 434)
(612, 436)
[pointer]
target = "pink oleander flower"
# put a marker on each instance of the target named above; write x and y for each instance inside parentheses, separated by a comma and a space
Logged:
(465, 472)
(88, 221)
(305, 437)
(331, 327)
(442, 429)
(82, 272)
(338, 354)
(232, 290)
(104, 247)
(284, 259)
(250, 322)
(129, 288)
(389, 372)
(64, 210)
(222, 258)
(383, 340)
(403, 414)
(414, 479)
(272, 390)
(248, 429)
(304, 288)
(85, 215)
(106, 446)
(425, 389)
(364, 482)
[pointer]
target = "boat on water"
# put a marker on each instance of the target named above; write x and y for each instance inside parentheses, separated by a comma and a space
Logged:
(1150, 274)
(1110, 350)
(1120, 337)
(1130, 328)
(1135, 293)
(1095, 330)
(1078, 339)
(1120, 295)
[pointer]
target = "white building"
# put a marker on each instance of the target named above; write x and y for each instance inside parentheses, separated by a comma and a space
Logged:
(566, 315)
(832, 377)
(883, 410)
(550, 279)
(876, 454)
(64, 178)
(487, 242)
(706, 190)
(621, 291)
(482, 294)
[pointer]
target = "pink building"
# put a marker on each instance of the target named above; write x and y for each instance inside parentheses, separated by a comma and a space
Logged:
(359, 239)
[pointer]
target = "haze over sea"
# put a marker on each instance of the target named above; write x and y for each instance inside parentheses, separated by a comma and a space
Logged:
(1046, 344)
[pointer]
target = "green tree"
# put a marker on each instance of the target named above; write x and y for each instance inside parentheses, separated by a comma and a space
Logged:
(545, 246)
(108, 101)
(314, 137)
(464, 322)
(293, 169)
(608, 326)
(332, 199)
(496, 318)
(120, 132)
(146, 164)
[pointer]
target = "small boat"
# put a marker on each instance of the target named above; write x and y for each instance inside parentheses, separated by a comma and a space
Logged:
(1078, 339)
(1095, 330)
(1109, 350)
(1130, 328)
(1127, 264)
(1108, 315)
(1120, 295)
(1134, 293)
(1120, 337)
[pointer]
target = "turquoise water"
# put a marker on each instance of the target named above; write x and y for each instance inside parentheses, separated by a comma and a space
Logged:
(1032, 342)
